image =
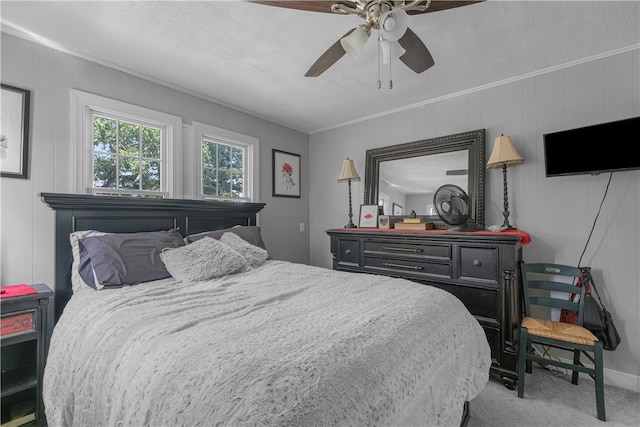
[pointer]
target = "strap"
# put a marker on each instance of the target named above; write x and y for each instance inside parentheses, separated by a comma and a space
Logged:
(588, 282)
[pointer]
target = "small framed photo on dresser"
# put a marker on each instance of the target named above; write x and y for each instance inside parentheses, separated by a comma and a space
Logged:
(384, 221)
(368, 216)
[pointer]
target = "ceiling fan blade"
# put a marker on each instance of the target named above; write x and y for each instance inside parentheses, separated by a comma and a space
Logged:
(417, 56)
(438, 5)
(327, 59)
(312, 6)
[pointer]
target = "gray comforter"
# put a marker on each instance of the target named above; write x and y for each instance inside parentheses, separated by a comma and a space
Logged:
(284, 344)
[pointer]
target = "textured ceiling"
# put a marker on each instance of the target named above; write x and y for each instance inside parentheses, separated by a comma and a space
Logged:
(253, 57)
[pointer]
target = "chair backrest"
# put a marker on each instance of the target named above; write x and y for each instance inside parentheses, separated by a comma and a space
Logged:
(557, 278)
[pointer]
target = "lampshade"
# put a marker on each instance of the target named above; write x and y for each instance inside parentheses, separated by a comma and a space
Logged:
(394, 24)
(504, 153)
(355, 41)
(348, 171)
(390, 50)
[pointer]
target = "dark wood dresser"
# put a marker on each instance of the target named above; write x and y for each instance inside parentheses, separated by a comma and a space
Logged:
(480, 268)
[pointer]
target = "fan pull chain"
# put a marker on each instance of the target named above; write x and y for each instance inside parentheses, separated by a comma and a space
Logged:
(379, 49)
(390, 81)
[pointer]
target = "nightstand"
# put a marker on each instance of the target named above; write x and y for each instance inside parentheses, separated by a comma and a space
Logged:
(27, 323)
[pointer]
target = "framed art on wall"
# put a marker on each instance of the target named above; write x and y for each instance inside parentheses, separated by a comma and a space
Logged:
(368, 216)
(398, 209)
(14, 132)
(286, 174)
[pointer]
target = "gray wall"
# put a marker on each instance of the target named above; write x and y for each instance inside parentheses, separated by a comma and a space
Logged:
(557, 212)
(27, 224)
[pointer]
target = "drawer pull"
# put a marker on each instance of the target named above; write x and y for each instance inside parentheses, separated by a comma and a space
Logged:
(409, 267)
(391, 248)
(347, 251)
(477, 262)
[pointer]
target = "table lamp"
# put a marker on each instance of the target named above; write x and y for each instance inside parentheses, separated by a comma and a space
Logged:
(504, 155)
(349, 174)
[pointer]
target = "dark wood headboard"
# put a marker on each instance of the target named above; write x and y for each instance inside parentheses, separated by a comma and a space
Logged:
(76, 212)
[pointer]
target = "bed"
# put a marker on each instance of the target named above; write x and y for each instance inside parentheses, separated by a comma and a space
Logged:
(268, 343)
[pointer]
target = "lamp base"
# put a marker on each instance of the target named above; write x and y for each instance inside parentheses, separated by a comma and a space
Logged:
(351, 225)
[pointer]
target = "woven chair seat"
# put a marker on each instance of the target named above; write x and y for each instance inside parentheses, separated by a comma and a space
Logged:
(558, 331)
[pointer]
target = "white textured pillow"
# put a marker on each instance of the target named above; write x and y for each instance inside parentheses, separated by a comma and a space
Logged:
(202, 260)
(254, 255)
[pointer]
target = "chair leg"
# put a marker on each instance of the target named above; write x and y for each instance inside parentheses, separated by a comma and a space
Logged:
(599, 380)
(522, 359)
(576, 361)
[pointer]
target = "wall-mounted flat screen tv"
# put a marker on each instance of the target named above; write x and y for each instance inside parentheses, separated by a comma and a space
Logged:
(605, 147)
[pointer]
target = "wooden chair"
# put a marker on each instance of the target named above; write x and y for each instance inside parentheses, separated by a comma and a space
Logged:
(545, 278)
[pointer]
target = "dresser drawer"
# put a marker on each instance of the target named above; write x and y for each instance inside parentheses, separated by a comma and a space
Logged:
(481, 302)
(18, 323)
(479, 263)
(348, 253)
(408, 268)
(407, 249)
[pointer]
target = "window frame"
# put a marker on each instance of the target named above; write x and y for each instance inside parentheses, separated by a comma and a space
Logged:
(225, 136)
(83, 106)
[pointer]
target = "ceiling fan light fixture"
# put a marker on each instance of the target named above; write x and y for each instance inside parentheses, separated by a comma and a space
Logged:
(390, 50)
(394, 24)
(355, 41)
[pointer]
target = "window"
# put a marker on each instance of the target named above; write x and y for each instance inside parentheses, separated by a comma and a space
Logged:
(123, 149)
(126, 156)
(227, 164)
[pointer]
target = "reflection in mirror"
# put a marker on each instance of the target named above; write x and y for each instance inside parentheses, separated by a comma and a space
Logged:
(412, 182)
(408, 175)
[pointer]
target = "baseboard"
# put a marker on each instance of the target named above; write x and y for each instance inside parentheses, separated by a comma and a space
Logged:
(618, 379)
(611, 377)
(621, 379)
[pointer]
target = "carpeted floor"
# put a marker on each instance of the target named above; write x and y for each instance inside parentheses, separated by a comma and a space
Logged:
(551, 400)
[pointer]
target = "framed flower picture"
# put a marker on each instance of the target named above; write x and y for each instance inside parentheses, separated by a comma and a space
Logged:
(286, 174)
(368, 216)
(14, 132)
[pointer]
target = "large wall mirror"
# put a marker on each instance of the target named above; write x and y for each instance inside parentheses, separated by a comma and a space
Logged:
(403, 178)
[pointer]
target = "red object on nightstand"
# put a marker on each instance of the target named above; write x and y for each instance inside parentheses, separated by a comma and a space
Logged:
(16, 291)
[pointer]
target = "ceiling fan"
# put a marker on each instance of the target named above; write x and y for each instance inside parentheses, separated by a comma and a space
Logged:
(388, 17)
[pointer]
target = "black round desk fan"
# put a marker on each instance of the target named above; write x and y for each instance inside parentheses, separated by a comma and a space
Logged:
(452, 205)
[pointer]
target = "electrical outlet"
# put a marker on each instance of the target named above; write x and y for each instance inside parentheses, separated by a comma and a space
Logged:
(302, 227)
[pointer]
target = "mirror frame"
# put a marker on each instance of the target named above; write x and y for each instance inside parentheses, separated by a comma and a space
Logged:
(474, 141)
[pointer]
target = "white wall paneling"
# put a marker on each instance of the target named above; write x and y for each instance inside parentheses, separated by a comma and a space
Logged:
(557, 212)
(27, 224)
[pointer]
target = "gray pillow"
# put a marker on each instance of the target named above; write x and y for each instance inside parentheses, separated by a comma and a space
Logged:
(126, 258)
(202, 260)
(250, 233)
(254, 255)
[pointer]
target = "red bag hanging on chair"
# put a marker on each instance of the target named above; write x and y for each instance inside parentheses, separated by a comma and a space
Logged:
(596, 318)
(568, 316)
